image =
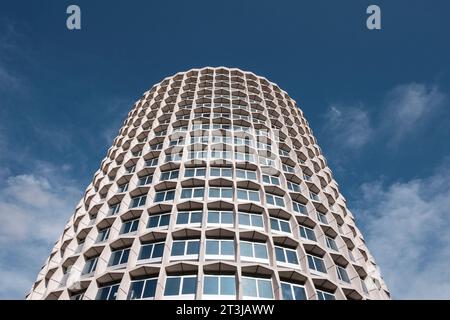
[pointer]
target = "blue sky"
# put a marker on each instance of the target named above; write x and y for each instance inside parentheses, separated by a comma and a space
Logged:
(378, 102)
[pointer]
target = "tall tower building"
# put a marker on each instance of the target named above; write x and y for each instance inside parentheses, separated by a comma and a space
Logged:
(214, 188)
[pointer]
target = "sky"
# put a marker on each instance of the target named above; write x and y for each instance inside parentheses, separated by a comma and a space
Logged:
(377, 101)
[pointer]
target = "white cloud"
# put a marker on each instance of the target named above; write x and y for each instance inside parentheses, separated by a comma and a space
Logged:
(33, 211)
(350, 126)
(406, 227)
(409, 106)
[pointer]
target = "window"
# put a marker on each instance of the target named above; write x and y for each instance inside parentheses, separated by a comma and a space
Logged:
(342, 274)
(274, 200)
(180, 285)
(219, 285)
(166, 195)
(151, 251)
(119, 256)
(322, 217)
(180, 129)
(288, 168)
(202, 126)
(189, 193)
(350, 254)
(221, 139)
(220, 154)
(251, 219)
(253, 251)
(130, 169)
(291, 291)
(364, 287)
(156, 146)
(176, 142)
(103, 234)
(322, 295)
(145, 180)
(219, 249)
(173, 157)
(243, 141)
(314, 196)
(246, 174)
(316, 263)
(241, 156)
(198, 154)
(107, 292)
(222, 126)
(266, 162)
(331, 243)
(90, 266)
(284, 153)
(77, 296)
(194, 172)
(299, 208)
(293, 186)
(280, 225)
(138, 201)
(169, 175)
(130, 226)
(257, 288)
(190, 217)
(271, 179)
(151, 163)
(307, 177)
(158, 221)
(113, 209)
(199, 139)
(122, 188)
(307, 233)
(285, 255)
(248, 195)
(186, 249)
(142, 289)
(220, 217)
(220, 192)
(220, 172)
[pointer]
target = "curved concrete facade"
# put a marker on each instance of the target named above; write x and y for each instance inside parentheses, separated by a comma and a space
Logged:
(214, 188)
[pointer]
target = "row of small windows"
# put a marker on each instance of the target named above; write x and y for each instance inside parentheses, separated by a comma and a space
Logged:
(214, 286)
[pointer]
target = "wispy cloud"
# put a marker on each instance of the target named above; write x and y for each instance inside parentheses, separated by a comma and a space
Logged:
(405, 109)
(349, 127)
(33, 210)
(409, 107)
(406, 226)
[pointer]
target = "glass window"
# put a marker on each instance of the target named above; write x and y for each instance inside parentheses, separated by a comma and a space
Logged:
(257, 288)
(142, 289)
(189, 193)
(138, 201)
(316, 263)
(220, 217)
(331, 243)
(158, 221)
(169, 175)
(342, 274)
(246, 174)
(251, 219)
(185, 248)
(145, 180)
(220, 192)
(249, 195)
(271, 179)
(280, 225)
(219, 247)
(107, 292)
(90, 266)
(130, 226)
(307, 233)
(220, 172)
(322, 295)
(219, 285)
(285, 255)
(291, 291)
(103, 234)
(180, 285)
(151, 251)
(189, 217)
(299, 207)
(194, 172)
(253, 250)
(122, 188)
(314, 196)
(274, 200)
(322, 217)
(151, 163)
(241, 156)
(293, 186)
(288, 168)
(166, 195)
(113, 209)
(119, 256)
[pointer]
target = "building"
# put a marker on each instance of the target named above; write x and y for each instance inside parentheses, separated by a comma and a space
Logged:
(214, 188)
